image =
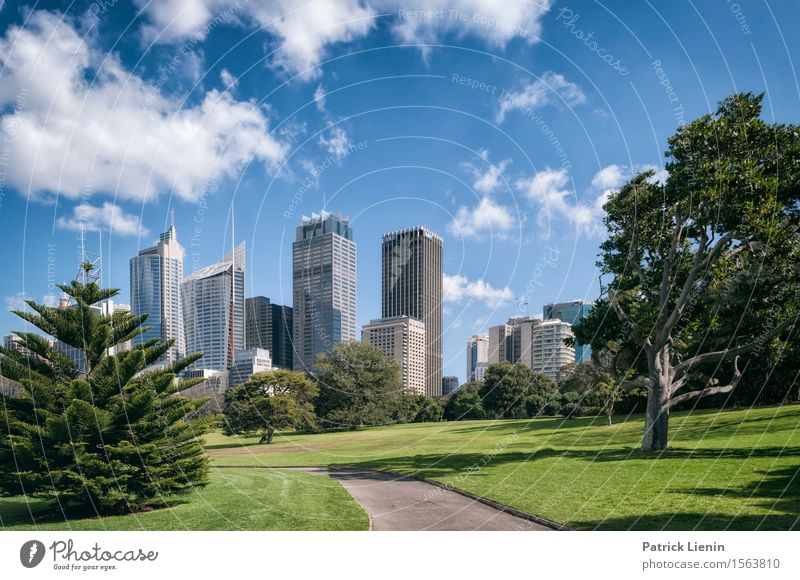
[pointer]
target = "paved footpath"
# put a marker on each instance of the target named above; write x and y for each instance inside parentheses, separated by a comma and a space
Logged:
(402, 503)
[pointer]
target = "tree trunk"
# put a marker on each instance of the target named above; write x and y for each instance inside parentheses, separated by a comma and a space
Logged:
(270, 432)
(608, 416)
(656, 424)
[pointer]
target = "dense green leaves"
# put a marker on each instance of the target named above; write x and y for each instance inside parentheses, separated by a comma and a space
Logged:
(111, 436)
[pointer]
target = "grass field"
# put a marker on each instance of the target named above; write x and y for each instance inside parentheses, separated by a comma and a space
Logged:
(236, 499)
(735, 469)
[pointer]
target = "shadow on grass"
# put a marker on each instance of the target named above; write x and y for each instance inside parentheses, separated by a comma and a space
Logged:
(18, 512)
(694, 521)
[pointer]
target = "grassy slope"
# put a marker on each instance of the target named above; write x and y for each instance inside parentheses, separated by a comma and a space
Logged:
(725, 470)
(236, 499)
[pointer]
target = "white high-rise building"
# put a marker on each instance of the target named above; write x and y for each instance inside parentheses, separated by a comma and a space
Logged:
(156, 276)
(213, 311)
(323, 286)
(477, 352)
(402, 338)
(548, 353)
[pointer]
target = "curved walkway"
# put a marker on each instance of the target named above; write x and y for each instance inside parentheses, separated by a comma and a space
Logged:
(395, 502)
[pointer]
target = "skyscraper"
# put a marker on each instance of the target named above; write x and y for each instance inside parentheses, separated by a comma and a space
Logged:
(324, 286)
(269, 326)
(403, 339)
(412, 286)
(449, 385)
(477, 352)
(571, 313)
(156, 276)
(548, 353)
(213, 311)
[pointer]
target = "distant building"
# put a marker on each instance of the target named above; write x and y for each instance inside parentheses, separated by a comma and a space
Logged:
(109, 308)
(216, 382)
(323, 286)
(403, 339)
(480, 371)
(156, 275)
(477, 352)
(412, 286)
(213, 311)
(247, 363)
(270, 326)
(572, 313)
(539, 345)
(8, 387)
(548, 351)
(449, 385)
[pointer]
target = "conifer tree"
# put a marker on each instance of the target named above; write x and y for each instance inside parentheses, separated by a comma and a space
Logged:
(106, 434)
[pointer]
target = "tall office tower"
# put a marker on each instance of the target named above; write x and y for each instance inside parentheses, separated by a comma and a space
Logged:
(156, 276)
(477, 352)
(324, 286)
(412, 286)
(402, 338)
(548, 351)
(269, 326)
(500, 344)
(449, 385)
(571, 312)
(213, 311)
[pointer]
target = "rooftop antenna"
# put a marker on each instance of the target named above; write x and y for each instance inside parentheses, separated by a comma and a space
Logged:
(90, 263)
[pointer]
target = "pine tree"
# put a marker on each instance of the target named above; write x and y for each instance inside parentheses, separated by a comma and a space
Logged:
(109, 436)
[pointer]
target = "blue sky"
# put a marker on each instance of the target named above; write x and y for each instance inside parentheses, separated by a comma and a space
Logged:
(500, 125)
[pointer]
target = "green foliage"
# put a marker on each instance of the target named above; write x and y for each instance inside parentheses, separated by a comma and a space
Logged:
(513, 391)
(112, 436)
(359, 386)
(269, 402)
(419, 409)
(571, 405)
(465, 403)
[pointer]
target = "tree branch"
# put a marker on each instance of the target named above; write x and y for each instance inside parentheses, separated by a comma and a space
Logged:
(719, 355)
(708, 391)
(673, 249)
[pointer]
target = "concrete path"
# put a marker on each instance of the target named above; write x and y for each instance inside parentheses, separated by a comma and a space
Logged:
(402, 503)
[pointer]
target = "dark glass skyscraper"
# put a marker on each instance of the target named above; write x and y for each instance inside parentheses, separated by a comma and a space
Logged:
(269, 326)
(324, 286)
(412, 286)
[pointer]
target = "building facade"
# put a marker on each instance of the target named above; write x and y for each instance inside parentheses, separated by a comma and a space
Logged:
(449, 385)
(403, 339)
(248, 362)
(499, 344)
(477, 352)
(572, 313)
(323, 286)
(213, 311)
(156, 275)
(548, 351)
(480, 371)
(269, 326)
(412, 286)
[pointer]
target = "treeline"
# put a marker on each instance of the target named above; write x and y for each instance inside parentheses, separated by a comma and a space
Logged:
(357, 386)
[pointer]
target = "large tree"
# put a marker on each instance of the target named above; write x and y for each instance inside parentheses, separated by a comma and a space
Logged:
(513, 391)
(106, 434)
(729, 203)
(270, 401)
(359, 386)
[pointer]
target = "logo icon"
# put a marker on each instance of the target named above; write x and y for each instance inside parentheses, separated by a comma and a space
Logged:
(31, 553)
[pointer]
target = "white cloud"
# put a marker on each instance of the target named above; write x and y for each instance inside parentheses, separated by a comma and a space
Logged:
(304, 29)
(17, 301)
(551, 88)
(107, 217)
(458, 288)
(319, 98)
(488, 180)
(550, 189)
(486, 217)
(337, 144)
(496, 23)
(229, 80)
(117, 133)
(609, 177)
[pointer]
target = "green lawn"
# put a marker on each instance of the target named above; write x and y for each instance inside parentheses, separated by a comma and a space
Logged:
(236, 499)
(725, 470)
